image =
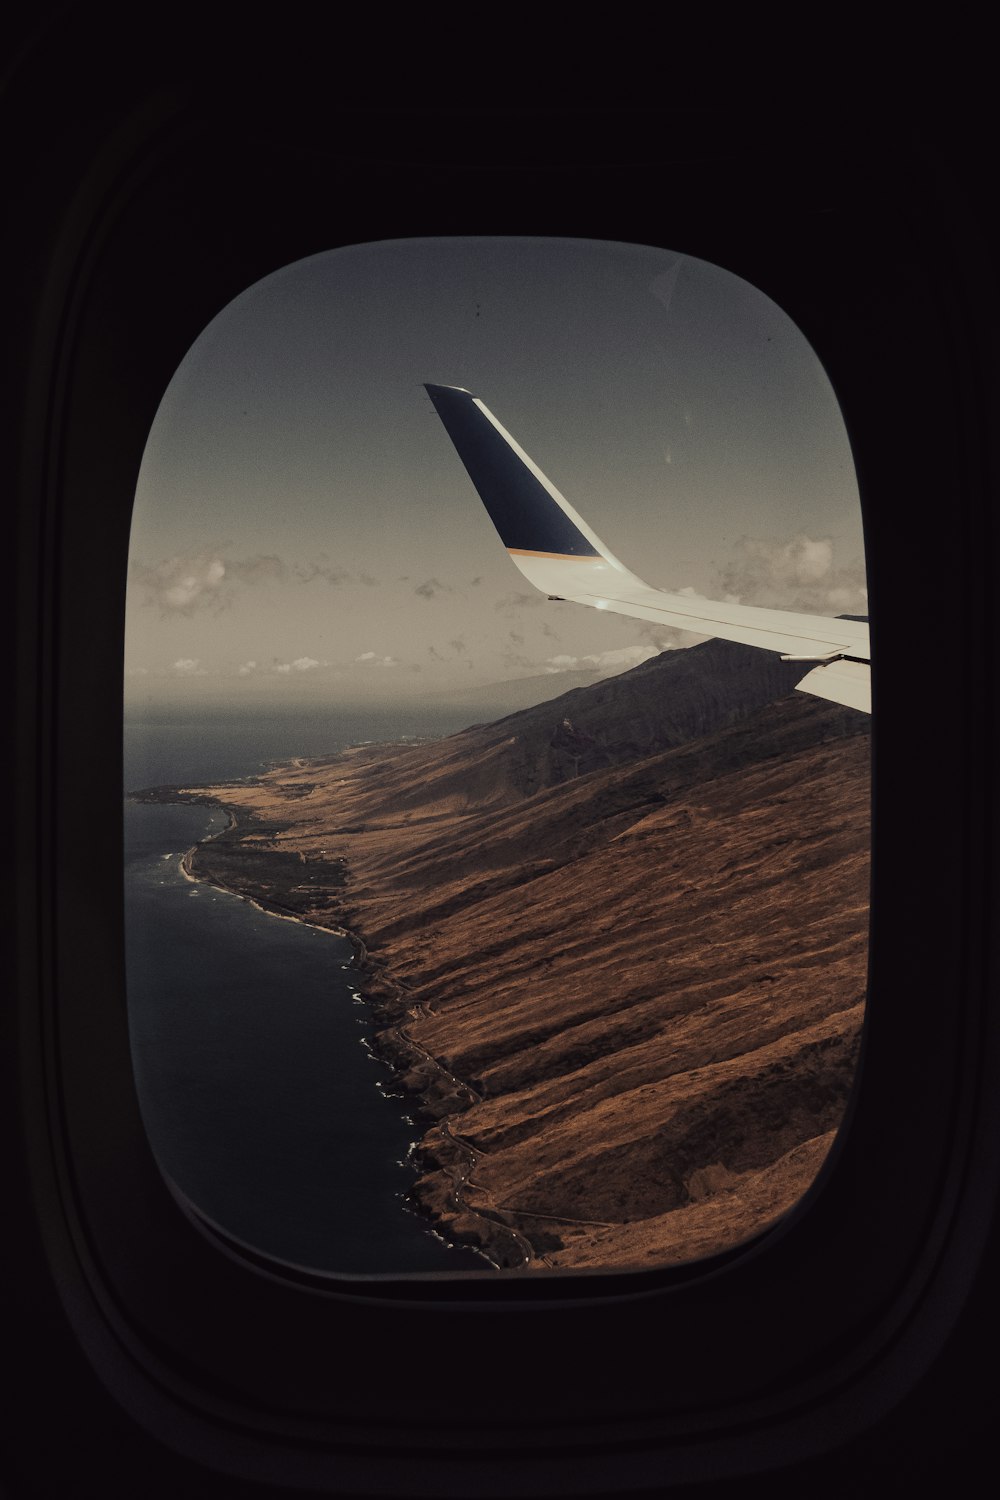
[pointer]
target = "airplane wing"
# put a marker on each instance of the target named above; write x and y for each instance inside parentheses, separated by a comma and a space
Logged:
(558, 552)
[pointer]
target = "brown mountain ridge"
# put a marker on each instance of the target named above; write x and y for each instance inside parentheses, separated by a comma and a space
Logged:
(618, 943)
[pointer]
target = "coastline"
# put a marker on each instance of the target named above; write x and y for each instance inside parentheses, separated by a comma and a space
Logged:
(262, 906)
(417, 1076)
(594, 1086)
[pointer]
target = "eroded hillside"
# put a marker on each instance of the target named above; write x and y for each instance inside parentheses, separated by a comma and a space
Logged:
(618, 941)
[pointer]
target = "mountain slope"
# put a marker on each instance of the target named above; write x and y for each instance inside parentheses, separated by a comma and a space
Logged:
(619, 941)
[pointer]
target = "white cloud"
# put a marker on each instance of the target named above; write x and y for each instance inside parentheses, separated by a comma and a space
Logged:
(300, 664)
(180, 585)
(189, 666)
(603, 663)
(852, 600)
(376, 660)
(800, 574)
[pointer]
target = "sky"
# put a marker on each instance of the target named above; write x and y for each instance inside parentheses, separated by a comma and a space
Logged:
(305, 534)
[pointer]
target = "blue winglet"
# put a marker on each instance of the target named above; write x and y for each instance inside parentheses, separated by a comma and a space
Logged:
(511, 487)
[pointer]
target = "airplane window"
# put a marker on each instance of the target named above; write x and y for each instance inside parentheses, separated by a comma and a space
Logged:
(497, 744)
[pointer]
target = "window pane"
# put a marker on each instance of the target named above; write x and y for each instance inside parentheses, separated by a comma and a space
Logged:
(576, 965)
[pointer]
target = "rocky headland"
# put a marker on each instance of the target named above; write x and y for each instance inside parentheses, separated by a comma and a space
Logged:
(617, 944)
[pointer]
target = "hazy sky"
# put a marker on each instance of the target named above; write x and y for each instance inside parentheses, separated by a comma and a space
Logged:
(304, 530)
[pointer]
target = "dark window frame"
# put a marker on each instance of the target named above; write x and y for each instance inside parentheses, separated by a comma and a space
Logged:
(202, 1360)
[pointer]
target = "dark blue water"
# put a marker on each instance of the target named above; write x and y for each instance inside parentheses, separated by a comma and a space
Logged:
(259, 1095)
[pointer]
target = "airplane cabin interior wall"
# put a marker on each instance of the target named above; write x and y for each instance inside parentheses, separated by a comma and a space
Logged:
(836, 1353)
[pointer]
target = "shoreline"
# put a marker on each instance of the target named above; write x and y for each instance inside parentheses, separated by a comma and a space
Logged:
(459, 1221)
(666, 1100)
(261, 906)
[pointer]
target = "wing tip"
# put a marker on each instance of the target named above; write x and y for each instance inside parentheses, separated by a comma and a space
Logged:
(433, 390)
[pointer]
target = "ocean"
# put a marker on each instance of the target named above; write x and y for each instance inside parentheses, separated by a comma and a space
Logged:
(258, 1091)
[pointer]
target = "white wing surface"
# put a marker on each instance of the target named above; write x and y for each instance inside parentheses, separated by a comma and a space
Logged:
(559, 554)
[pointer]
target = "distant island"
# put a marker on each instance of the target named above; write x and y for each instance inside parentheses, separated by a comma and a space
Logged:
(616, 944)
